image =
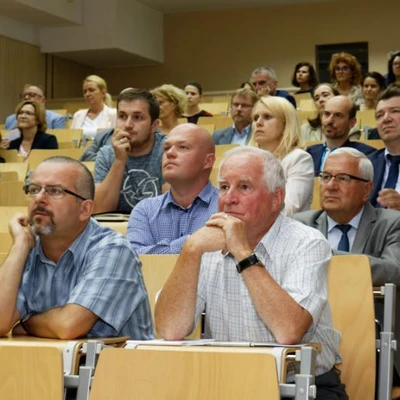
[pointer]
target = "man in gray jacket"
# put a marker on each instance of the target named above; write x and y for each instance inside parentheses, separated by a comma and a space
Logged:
(242, 103)
(352, 225)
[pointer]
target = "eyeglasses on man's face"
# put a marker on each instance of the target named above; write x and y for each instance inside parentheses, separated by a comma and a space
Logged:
(342, 179)
(54, 191)
(30, 95)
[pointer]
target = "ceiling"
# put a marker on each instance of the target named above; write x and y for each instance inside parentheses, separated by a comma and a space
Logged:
(175, 6)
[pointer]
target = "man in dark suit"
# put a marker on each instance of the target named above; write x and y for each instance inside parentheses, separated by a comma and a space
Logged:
(386, 161)
(351, 224)
(338, 118)
(242, 103)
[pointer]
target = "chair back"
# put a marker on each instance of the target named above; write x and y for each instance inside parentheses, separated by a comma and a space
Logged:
(350, 294)
(185, 373)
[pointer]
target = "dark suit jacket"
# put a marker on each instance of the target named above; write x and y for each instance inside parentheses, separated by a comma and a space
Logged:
(41, 141)
(379, 163)
(378, 237)
(224, 136)
(287, 96)
(317, 151)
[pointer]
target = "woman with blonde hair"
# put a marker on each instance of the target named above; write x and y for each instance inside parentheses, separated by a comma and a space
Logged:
(173, 102)
(346, 76)
(276, 129)
(31, 123)
(100, 114)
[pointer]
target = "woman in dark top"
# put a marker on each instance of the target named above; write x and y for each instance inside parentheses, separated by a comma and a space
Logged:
(304, 77)
(194, 92)
(31, 122)
(393, 68)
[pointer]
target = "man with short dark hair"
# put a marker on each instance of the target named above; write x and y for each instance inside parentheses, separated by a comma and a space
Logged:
(242, 102)
(338, 118)
(160, 225)
(386, 161)
(36, 93)
(351, 224)
(129, 170)
(66, 276)
(265, 83)
(260, 276)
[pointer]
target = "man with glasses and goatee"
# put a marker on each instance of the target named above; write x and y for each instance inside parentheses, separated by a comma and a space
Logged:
(36, 93)
(351, 224)
(66, 276)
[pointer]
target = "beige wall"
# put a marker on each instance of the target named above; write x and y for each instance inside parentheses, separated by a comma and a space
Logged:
(220, 49)
(22, 63)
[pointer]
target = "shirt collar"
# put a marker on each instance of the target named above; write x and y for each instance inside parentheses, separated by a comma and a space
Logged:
(245, 131)
(354, 222)
(205, 195)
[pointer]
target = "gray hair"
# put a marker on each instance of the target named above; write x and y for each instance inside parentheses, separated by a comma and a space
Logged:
(274, 176)
(268, 70)
(364, 164)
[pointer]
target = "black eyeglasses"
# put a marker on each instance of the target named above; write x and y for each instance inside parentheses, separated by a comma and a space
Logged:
(54, 191)
(342, 179)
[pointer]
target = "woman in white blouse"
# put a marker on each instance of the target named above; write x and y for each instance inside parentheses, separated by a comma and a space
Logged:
(99, 115)
(276, 129)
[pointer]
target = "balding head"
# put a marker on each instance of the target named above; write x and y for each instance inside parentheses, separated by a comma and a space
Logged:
(338, 117)
(189, 154)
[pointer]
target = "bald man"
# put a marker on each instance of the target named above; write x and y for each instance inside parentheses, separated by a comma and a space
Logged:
(338, 118)
(160, 225)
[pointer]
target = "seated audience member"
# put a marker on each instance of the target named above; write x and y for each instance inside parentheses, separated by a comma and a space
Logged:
(242, 103)
(194, 91)
(338, 118)
(304, 77)
(162, 224)
(312, 130)
(172, 101)
(345, 71)
(276, 129)
(2, 160)
(351, 224)
(259, 275)
(265, 83)
(393, 75)
(66, 276)
(372, 84)
(386, 161)
(101, 139)
(32, 127)
(247, 85)
(36, 93)
(99, 115)
(129, 169)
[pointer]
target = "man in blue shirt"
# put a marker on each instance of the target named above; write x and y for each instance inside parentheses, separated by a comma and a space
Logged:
(36, 93)
(66, 276)
(162, 224)
(265, 83)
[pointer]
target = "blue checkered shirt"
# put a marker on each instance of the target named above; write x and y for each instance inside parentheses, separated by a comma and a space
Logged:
(101, 272)
(158, 225)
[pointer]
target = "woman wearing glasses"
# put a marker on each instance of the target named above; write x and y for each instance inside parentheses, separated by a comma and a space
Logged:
(31, 123)
(276, 129)
(393, 75)
(346, 76)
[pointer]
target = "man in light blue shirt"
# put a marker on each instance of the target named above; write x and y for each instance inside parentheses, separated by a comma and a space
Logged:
(160, 225)
(242, 103)
(36, 93)
(67, 276)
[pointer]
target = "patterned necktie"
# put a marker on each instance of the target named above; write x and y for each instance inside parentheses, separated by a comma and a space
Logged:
(391, 180)
(344, 244)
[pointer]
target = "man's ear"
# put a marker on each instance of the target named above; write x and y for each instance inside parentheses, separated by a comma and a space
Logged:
(278, 199)
(86, 209)
(352, 123)
(209, 161)
(155, 124)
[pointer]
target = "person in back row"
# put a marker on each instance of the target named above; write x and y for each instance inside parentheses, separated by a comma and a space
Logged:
(162, 224)
(242, 103)
(129, 169)
(66, 276)
(36, 93)
(194, 92)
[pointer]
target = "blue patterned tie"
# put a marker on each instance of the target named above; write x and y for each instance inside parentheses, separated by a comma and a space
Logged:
(344, 244)
(393, 176)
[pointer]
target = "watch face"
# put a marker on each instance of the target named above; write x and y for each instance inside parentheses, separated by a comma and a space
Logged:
(247, 262)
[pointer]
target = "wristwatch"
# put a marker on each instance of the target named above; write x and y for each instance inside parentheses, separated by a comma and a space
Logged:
(247, 262)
